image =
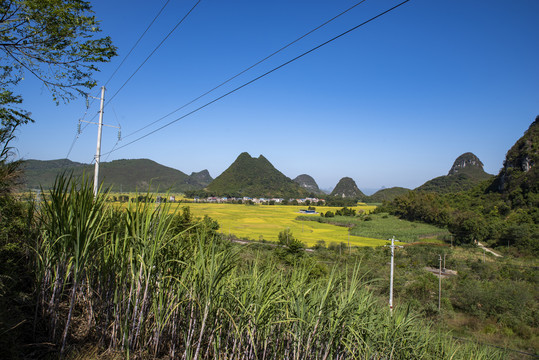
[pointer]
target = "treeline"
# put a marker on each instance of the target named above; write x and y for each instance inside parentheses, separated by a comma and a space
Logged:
(476, 215)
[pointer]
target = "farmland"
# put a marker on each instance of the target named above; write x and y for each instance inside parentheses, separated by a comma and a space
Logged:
(258, 222)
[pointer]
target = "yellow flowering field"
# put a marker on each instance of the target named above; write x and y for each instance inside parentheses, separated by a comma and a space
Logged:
(258, 222)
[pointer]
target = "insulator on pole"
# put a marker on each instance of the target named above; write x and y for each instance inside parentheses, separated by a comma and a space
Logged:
(78, 128)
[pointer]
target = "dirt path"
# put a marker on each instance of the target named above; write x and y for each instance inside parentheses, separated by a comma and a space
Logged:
(488, 250)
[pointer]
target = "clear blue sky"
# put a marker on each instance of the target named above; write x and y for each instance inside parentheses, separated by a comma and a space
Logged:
(393, 103)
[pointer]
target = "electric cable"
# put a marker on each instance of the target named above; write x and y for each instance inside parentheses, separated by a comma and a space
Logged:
(112, 75)
(137, 42)
(79, 130)
(247, 69)
(262, 76)
(154, 50)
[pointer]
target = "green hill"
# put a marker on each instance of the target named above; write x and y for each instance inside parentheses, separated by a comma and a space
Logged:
(308, 183)
(387, 194)
(121, 175)
(347, 188)
(466, 172)
(254, 177)
(520, 174)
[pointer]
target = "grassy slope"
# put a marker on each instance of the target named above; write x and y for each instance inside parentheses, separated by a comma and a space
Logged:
(383, 226)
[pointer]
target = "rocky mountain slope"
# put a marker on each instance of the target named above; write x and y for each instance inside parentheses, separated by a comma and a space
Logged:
(466, 172)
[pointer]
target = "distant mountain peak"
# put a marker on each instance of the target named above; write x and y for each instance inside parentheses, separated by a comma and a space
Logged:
(248, 176)
(465, 162)
(347, 188)
(307, 182)
(466, 172)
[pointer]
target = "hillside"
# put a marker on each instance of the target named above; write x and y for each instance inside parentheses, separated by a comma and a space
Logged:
(386, 194)
(520, 173)
(501, 212)
(308, 183)
(248, 176)
(466, 172)
(121, 175)
(347, 188)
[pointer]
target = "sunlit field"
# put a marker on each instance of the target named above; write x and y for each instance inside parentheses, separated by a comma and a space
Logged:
(264, 222)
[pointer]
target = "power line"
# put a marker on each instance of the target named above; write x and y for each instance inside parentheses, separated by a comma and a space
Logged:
(154, 50)
(263, 75)
(247, 69)
(137, 42)
(79, 131)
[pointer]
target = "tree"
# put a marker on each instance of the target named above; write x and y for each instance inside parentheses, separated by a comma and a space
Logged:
(53, 40)
(292, 245)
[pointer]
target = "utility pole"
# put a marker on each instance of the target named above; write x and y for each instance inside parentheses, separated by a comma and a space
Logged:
(391, 275)
(443, 269)
(99, 131)
(98, 150)
(440, 285)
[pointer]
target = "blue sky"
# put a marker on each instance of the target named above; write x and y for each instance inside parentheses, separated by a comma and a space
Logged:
(393, 103)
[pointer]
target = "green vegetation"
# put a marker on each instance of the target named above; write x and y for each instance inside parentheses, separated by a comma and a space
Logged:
(383, 226)
(466, 172)
(491, 300)
(451, 183)
(254, 177)
(149, 282)
(347, 188)
(120, 175)
(56, 42)
(386, 194)
(307, 182)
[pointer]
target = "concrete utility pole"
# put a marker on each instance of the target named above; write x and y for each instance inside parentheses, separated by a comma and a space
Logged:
(440, 284)
(391, 275)
(98, 150)
(99, 131)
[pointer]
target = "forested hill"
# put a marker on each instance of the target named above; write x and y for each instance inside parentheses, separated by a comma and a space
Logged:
(122, 175)
(248, 176)
(519, 176)
(466, 172)
(307, 182)
(386, 194)
(347, 188)
(501, 212)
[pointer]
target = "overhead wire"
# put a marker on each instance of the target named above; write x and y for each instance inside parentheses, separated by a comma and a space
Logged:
(79, 130)
(153, 52)
(112, 75)
(247, 69)
(137, 42)
(263, 75)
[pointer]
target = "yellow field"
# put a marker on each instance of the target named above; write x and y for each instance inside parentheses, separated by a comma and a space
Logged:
(265, 222)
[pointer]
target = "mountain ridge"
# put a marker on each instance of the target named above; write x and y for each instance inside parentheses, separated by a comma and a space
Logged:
(124, 175)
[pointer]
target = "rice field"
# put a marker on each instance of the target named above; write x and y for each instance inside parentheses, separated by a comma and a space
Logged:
(263, 222)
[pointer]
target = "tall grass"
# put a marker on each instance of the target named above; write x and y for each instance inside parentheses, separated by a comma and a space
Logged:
(134, 284)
